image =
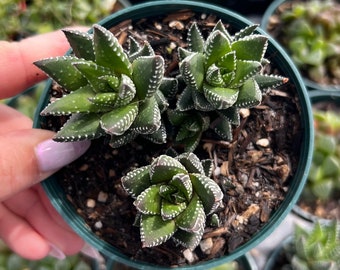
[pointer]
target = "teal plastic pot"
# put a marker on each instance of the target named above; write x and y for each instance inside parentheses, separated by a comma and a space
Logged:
(246, 262)
(316, 97)
(311, 85)
(58, 198)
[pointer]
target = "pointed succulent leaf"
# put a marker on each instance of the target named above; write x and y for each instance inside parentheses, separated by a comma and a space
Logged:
(162, 101)
(248, 30)
(147, 75)
(155, 230)
(148, 119)
(219, 97)
(104, 99)
(109, 53)
(185, 101)
(118, 120)
(231, 114)
(250, 95)
(170, 210)
(75, 102)
(164, 168)
(146, 50)
(158, 137)
(81, 43)
(217, 45)
(80, 127)
(183, 184)
(250, 47)
(171, 194)
(61, 70)
(149, 201)
(220, 27)
(214, 77)
(169, 87)
(183, 53)
(192, 219)
(227, 62)
(191, 162)
(223, 128)
(190, 142)
(208, 191)
(208, 167)
(136, 181)
(117, 141)
(192, 70)
(269, 81)
(112, 80)
(188, 239)
(195, 39)
(91, 71)
(126, 91)
(134, 46)
(201, 103)
(176, 117)
(244, 70)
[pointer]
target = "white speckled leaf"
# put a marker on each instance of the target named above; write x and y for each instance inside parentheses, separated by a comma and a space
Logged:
(81, 43)
(250, 95)
(149, 201)
(118, 120)
(136, 181)
(155, 230)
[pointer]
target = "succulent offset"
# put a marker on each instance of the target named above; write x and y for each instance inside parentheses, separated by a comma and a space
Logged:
(316, 249)
(111, 91)
(223, 74)
(173, 196)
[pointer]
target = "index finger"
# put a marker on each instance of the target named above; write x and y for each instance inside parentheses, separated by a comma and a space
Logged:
(17, 71)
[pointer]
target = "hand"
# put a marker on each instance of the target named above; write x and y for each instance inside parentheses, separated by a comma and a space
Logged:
(29, 225)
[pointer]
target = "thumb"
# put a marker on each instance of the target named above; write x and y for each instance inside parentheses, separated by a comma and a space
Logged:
(28, 156)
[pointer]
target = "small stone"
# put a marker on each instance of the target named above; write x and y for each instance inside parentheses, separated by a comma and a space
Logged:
(176, 24)
(158, 26)
(90, 203)
(206, 245)
(102, 197)
(244, 113)
(264, 142)
(189, 256)
(98, 225)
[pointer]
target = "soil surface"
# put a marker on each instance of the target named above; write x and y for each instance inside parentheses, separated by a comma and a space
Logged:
(254, 169)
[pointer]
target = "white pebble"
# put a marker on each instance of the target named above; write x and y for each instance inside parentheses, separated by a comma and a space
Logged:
(102, 197)
(91, 203)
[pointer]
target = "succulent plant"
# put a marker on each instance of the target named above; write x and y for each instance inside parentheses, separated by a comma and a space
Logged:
(324, 176)
(111, 91)
(315, 249)
(173, 197)
(223, 74)
(310, 32)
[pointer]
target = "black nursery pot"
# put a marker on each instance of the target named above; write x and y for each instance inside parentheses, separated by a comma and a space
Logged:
(64, 207)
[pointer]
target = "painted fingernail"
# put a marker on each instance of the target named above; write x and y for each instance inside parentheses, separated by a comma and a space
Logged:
(91, 252)
(52, 155)
(55, 252)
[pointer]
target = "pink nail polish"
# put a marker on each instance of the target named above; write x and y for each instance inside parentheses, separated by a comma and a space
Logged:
(55, 252)
(52, 155)
(91, 252)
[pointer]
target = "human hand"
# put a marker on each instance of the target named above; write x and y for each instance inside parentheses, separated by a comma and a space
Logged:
(29, 225)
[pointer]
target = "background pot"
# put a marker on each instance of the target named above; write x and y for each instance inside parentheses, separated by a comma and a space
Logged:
(58, 198)
(311, 85)
(315, 97)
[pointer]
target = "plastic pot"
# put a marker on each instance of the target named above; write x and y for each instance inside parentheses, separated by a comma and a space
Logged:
(311, 85)
(64, 207)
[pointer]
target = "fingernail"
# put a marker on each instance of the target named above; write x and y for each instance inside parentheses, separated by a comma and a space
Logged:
(55, 252)
(52, 155)
(91, 252)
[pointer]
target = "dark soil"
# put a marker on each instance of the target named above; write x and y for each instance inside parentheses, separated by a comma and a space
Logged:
(254, 178)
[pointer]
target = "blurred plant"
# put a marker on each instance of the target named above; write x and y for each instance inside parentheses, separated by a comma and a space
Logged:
(20, 18)
(11, 261)
(315, 249)
(173, 197)
(310, 31)
(222, 74)
(324, 176)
